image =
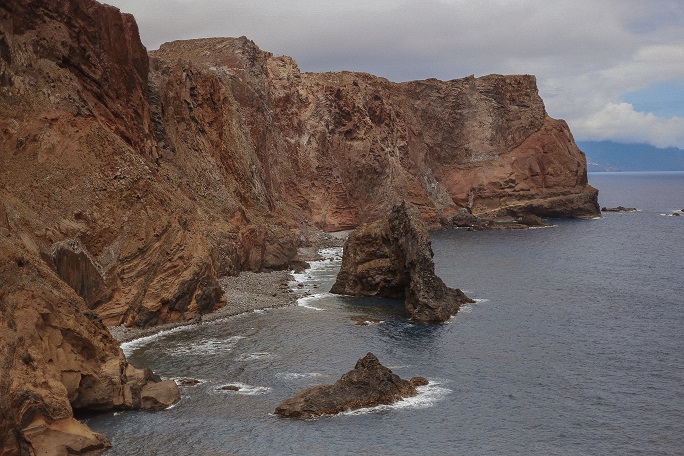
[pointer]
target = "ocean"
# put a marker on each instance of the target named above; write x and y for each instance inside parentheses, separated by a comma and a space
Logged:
(575, 346)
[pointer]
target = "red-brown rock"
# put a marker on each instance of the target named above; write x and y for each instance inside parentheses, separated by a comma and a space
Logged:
(392, 258)
(369, 384)
(57, 358)
(129, 183)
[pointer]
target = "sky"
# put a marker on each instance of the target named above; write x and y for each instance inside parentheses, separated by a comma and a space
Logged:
(613, 69)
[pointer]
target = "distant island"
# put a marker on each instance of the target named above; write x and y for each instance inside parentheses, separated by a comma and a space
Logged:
(606, 156)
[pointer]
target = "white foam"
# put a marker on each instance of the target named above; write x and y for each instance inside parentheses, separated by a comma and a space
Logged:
(307, 300)
(331, 253)
(178, 382)
(427, 396)
(541, 227)
(369, 322)
(253, 356)
(298, 375)
(129, 346)
(330, 256)
(207, 346)
(479, 300)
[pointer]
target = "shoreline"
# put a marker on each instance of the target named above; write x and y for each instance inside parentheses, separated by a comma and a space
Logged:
(247, 292)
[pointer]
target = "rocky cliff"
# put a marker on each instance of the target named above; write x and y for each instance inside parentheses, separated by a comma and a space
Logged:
(138, 179)
(57, 358)
(141, 179)
(341, 148)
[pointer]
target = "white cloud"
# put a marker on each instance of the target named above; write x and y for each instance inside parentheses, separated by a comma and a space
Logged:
(620, 122)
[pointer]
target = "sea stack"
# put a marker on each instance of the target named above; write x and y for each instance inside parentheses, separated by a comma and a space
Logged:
(392, 258)
(367, 385)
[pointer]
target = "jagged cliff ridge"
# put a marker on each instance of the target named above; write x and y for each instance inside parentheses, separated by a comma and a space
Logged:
(343, 147)
(141, 181)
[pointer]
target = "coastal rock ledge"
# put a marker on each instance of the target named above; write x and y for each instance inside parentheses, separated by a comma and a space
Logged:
(367, 385)
(392, 258)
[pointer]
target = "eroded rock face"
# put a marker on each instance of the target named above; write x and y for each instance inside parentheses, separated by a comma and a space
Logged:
(55, 358)
(206, 158)
(369, 384)
(392, 258)
(343, 147)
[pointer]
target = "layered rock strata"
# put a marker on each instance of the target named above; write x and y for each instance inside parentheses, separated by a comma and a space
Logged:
(392, 258)
(56, 358)
(344, 147)
(142, 179)
(369, 384)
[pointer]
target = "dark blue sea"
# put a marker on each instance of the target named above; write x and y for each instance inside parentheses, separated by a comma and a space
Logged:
(575, 347)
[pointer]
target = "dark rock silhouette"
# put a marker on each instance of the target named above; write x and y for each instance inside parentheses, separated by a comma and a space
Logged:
(618, 209)
(367, 385)
(392, 258)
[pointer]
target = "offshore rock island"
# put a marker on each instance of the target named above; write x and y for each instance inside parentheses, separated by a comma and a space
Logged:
(392, 258)
(130, 182)
(369, 384)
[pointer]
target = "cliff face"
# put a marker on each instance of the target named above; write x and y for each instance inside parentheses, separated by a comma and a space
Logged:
(57, 358)
(342, 148)
(141, 181)
(84, 184)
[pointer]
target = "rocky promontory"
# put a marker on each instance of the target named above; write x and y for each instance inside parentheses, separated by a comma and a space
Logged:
(142, 178)
(369, 384)
(56, 358)
(392, 258)
(132, 181)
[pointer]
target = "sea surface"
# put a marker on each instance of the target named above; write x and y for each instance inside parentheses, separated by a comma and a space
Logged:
(575, 347)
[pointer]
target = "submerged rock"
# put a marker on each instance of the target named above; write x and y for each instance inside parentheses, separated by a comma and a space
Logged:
(618, 209)
(392, 258)
(230, 388)
(369, 384)
(365, 320)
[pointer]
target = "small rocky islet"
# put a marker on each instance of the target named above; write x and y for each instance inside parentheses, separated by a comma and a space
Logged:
(392, 258)
(369, 384)
(618, 209)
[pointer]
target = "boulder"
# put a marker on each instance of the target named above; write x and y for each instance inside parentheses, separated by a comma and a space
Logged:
(159, 395)
(392, 258)
(369, 384)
